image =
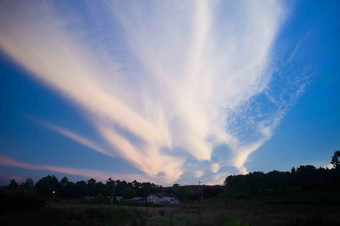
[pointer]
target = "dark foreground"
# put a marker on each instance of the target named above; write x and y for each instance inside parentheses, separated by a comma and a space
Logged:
(205, 212)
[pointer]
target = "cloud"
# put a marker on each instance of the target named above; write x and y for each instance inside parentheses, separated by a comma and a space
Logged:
(218, 179)
(73, 136)
(329, 166)
(179, 78)
(148, 158)
(198, 173)
(10, 177)
(215, 167)
(99, 175)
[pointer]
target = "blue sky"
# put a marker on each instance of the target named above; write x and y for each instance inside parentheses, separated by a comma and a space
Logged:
(168, 92)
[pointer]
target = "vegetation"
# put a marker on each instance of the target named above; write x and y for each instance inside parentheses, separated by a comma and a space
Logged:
(16, 202)
(307, 178)
(304, 196)
(68, 189)
(335, 159)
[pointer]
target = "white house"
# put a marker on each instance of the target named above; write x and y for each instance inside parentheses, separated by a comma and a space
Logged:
(154, 198)
(160, 199)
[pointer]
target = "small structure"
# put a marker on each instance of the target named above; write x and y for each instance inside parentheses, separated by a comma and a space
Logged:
(88, 198)
(138, 199)
(118, 198)
(160, 199)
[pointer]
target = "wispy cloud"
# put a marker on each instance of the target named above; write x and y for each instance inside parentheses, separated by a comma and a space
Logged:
(73, 136)
(218, 179)
(10, 177)
(99, 175)
(215, 167)
(198, 173)
(186, 72)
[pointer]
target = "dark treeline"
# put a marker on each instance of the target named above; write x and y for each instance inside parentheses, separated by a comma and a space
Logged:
(66, 188)
(307, 177)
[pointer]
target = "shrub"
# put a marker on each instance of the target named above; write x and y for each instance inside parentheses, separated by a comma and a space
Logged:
(14, 202)
(100, 198)
(233, 220)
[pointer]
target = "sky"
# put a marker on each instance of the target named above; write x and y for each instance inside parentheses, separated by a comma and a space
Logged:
(167, 91)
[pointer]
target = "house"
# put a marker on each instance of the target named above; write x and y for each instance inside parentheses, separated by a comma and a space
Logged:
(154, 198)
(160, 199)
(169, 200)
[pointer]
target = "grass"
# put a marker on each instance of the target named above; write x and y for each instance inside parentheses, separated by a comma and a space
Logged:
(232, 220)
(170, 222)
(264, 209)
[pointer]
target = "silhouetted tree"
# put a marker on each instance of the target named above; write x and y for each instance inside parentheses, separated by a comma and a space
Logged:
(28, 184)
(69, 190)
(110, 187)
(136, 184)
(47, 184)
(99, 188)
(335, 159)
(81, 188)
(128, 193)
(63, 182)
(292, 171)
(91, 187)
(13, 184)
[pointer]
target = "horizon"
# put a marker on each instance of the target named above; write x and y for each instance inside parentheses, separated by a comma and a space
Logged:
(22, 180)
(167, 92)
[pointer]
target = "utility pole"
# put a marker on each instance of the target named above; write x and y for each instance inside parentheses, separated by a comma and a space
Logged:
(199, 188)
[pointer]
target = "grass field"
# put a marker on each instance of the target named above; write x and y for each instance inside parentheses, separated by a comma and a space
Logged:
(217, 211)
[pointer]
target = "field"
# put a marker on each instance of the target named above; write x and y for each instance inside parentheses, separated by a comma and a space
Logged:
(217, 211)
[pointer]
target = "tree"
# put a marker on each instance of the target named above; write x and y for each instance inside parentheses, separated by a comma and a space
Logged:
(128, 193)
(13, 184)
(91, 186)
(81, 188)
(28, 184)
(47, 184)
(69, 189)
(110, 187)
(292, 171)
(63, 182)
(335, 159)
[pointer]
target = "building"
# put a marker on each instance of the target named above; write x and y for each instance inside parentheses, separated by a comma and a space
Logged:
(161, 199)
(138, 199)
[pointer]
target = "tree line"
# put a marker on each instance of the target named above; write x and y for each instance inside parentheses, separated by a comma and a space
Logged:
(91, 187)
(307, 177)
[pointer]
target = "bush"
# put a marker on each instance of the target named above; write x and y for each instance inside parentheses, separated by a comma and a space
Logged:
(117, 216)
(233, 220)
(100, 198)
(161, 212)
(128, 193)
(14, 202)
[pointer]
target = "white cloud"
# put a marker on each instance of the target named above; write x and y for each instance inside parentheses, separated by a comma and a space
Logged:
(218, 179)
(73, 136)
(215, 167)
(198, 173)
(188, 70)
(329, 166)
